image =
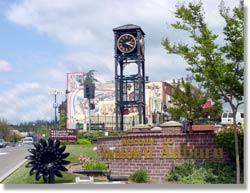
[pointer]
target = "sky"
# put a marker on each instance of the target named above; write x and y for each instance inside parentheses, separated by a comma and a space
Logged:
(43, 40)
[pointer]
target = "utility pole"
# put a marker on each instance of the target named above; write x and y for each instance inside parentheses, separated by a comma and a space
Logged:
(55, 92)
(89, 115)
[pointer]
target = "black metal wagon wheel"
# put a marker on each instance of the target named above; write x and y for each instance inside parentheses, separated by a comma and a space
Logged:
(47, 160)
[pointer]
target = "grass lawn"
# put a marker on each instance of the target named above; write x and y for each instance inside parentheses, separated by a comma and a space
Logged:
(21, 175)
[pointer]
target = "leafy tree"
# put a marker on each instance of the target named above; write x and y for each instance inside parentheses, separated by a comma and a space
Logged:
(219, 69)
(4, 129)
(62, 120)
(187, 100)
(62, 114)
(214, 111)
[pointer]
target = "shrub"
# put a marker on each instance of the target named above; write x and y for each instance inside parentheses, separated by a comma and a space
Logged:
(120, 133)
(140, 176)
(95, 166)
(226, 138)
(91, 136)
(206, 173)
(83, 141)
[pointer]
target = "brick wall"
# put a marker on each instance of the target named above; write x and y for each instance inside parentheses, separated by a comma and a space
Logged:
(157, 152)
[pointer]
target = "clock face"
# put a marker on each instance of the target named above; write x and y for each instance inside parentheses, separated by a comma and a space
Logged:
(126, 43)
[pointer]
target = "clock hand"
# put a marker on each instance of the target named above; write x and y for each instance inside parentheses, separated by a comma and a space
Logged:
(129, 44)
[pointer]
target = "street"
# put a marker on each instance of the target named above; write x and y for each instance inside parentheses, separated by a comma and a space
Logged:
(11, 158)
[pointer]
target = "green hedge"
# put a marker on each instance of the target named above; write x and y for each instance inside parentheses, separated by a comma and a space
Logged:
(226, 139)
(206, 173)
(93, 135)
(95, 166)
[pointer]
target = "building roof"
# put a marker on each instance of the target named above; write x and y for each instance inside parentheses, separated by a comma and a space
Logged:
(128, 27)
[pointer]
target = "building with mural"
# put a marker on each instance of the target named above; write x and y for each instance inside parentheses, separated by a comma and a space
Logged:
(158, 100)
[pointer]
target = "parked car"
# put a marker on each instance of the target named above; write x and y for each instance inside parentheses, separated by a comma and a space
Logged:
(28, 140)
(2, 143)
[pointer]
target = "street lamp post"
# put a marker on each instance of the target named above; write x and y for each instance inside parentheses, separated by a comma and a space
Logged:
(55, 92)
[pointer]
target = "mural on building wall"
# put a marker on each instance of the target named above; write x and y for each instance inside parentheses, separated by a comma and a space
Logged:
(155, 97)
(77, 105)
(75, 99)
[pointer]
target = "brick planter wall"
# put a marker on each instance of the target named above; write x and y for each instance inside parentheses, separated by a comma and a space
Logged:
(157, 152)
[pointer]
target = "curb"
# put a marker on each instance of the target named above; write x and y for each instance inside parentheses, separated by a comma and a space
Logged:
(3, 177)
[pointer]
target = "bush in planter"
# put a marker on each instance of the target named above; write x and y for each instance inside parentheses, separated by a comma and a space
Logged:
(95, 166)
(91, 136)
(83, 141)
(140, 176)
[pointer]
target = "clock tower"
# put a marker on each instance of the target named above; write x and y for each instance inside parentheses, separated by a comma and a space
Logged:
(129, 87)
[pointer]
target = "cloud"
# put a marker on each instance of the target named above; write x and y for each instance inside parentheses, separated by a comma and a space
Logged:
(4, 66)
(25, 102)
(81, 23)
(85, 30)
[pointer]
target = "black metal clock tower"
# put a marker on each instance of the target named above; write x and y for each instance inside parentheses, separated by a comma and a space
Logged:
(129, 89)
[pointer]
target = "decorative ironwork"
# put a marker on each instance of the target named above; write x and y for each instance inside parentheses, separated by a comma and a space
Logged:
(129, 89)
(47, 160)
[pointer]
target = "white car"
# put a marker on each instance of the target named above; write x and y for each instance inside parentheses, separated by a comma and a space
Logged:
(2, 143)
(28, 140)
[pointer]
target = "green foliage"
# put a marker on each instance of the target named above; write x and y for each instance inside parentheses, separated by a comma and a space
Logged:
(13, 138)
(4, 129)
(91, 136)
(206, 173)
(83, 141)
(95, 166)
(218, 68)
(120, 133)
(62, 119)
(187, 100)
(140, 176)
(226, 138)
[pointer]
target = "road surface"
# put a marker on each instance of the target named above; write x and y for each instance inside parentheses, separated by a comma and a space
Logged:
(10, 159)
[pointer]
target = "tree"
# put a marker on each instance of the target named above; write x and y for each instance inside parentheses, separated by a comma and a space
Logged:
(187, 100)
(62, 120)
(219, 68)
(62, 114)
(4, 129)
(214, 111)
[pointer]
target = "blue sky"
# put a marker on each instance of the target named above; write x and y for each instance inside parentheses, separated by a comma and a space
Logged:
(42, 40)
